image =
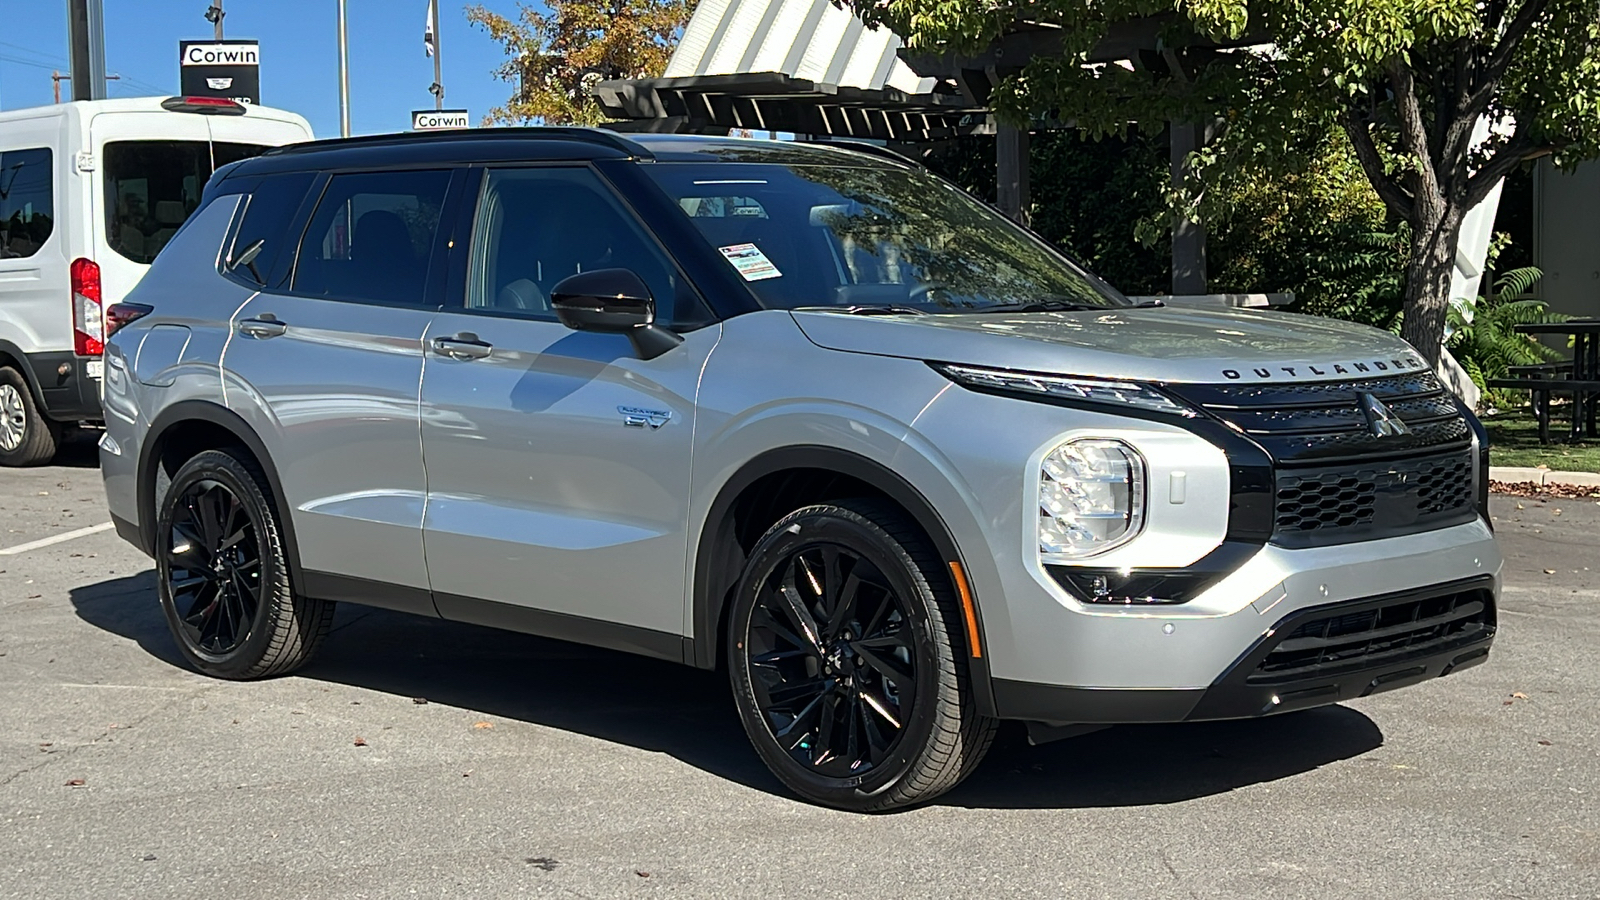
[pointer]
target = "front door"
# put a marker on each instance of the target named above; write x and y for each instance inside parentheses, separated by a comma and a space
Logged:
(327, 369)
(558, 461)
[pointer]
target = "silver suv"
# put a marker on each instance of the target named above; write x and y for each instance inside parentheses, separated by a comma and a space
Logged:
(805, 413)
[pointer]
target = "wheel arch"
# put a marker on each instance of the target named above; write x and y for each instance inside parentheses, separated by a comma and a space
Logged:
(12, 355)
(719, 550)
(189, 427)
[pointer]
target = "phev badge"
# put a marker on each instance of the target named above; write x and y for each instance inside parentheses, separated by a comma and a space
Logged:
(638, 417)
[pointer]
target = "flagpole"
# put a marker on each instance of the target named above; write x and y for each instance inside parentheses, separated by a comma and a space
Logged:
(344, 76)
(438, 59)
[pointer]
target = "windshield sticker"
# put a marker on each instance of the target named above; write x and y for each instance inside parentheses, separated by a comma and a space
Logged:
(750, 261)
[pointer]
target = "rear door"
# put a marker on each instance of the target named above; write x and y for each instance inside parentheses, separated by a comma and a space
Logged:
(558, 461)
(326, 364)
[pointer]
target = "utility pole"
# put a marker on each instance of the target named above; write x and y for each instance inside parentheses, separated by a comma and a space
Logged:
(344, 75)
(214, 15)
(57, 78)
(437, 88)
(87, 47)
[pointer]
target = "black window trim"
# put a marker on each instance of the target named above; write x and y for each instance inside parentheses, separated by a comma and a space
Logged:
(455, 297)
(432, 297)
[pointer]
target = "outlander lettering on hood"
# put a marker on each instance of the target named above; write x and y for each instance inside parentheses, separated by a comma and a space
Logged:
(1371, 367)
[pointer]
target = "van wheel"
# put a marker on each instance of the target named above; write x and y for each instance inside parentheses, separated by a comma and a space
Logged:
(27, 438)
(848, 660)
(224, 577)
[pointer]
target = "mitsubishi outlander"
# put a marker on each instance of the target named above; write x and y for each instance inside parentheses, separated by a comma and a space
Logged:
(804, 413)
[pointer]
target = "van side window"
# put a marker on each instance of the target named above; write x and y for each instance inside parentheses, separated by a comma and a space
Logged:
(372, 236)
(27, 201)
(267, 218)
(537, 226)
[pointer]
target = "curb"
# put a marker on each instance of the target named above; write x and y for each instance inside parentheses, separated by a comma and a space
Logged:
(1519, 475)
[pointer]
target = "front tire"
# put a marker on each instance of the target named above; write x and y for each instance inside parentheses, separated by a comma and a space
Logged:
(848, 661)
(27, 438)
(224, 576)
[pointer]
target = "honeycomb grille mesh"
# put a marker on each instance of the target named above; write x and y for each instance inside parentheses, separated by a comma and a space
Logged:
(1332, 499)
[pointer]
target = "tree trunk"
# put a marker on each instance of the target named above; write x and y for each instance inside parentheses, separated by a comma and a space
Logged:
(1428, 275)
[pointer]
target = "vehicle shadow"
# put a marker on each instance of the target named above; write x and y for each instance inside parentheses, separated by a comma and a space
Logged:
(80, 450)
(688, 714)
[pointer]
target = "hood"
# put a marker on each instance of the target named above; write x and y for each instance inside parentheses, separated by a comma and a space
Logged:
(1162, 344)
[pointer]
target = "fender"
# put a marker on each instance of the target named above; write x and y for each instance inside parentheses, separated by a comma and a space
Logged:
(206, 411)
(708, 604)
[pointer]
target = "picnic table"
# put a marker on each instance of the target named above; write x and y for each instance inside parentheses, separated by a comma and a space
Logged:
(1580, 378)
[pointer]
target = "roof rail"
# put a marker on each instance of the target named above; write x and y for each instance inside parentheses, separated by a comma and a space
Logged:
(546, 132)
(870, 149)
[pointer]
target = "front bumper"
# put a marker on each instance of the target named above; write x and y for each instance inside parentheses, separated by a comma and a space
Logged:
(1311, 657)
(1065, 661)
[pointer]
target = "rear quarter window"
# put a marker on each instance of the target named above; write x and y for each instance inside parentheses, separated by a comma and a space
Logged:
(269, 217)
(27, 201)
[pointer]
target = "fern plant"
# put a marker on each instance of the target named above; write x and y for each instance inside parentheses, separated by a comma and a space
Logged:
(1489, 345)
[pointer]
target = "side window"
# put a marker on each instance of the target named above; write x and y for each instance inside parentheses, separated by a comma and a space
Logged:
(267, 218)
(27, 202)
(371, 237)
(537, 226)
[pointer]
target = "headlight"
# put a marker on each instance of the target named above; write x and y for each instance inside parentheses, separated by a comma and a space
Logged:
(1068, 387)
(1091, 498)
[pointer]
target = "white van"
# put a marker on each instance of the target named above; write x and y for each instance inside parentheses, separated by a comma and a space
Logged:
(89, 194)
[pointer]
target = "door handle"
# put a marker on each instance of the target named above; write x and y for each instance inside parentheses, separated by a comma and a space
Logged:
(266, 326)
(463, 346)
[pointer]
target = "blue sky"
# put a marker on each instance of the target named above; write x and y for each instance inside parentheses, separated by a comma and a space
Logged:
(389, 74)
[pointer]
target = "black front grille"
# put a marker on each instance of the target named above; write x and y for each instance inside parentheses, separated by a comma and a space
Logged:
(1347, 638)
(1351, 501)
(1324, 421)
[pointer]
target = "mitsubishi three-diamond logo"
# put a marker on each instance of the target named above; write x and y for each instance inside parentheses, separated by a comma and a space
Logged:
(1381, 420)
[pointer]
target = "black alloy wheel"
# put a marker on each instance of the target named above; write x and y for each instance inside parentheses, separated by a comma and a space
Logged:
(848, 660)
(213, 566)
(224, 575)
(832, 660)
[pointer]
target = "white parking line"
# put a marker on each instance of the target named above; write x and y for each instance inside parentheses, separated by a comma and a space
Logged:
(58, 539)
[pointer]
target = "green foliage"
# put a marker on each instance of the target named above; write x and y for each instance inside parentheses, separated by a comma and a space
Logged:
(1488, 346)
(1406, 80)
(558, 50)
(1089, 198)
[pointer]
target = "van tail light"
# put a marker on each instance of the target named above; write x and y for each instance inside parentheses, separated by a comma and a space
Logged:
(120, 314)
(88, 322)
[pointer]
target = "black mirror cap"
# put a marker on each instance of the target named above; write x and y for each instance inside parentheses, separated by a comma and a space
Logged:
(613, 301)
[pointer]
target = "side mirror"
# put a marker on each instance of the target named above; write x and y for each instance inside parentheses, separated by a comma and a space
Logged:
(613, 301)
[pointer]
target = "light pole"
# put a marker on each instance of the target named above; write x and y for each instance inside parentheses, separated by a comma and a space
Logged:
(344, 75)
(437, 88)
(214, 15)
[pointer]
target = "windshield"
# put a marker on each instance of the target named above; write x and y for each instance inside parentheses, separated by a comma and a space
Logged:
(153, 186)
(821, 235)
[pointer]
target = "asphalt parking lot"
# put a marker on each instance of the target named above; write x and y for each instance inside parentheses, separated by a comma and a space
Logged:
(428, 759)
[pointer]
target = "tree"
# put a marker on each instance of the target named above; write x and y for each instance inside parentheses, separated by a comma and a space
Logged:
(1408, 81)
(557, 57)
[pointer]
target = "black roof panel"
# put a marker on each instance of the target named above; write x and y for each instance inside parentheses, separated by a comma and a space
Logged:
(537, 144)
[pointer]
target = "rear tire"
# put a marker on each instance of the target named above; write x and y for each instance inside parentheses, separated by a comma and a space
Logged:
(27, 438)
(849, 663)
(223, 574)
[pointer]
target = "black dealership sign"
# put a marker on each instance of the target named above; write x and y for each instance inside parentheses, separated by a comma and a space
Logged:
(230, 69)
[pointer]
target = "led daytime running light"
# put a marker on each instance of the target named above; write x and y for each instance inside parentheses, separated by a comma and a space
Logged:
(1089, 390)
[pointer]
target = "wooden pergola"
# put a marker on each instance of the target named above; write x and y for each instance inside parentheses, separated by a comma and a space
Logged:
(957, 105)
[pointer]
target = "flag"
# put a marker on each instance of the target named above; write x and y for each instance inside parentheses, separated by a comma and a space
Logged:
(427, 34)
